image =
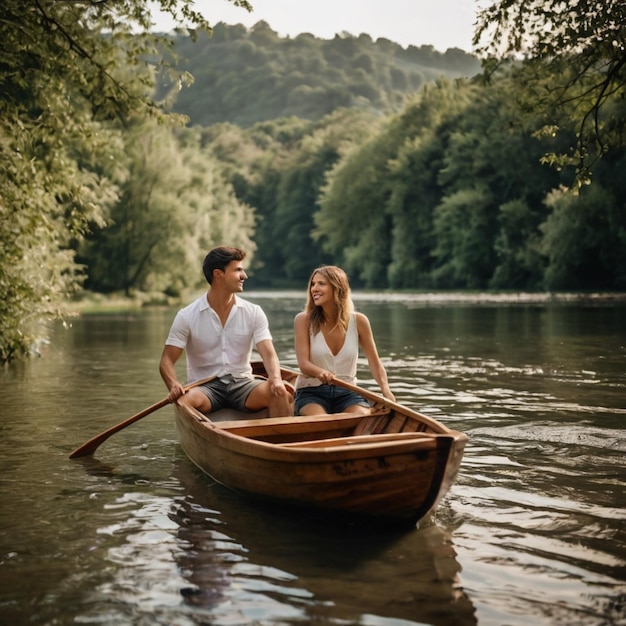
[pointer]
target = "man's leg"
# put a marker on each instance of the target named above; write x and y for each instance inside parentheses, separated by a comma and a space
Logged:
(196, 399)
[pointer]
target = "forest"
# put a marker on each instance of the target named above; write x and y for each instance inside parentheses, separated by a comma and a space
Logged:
(128, 154)
(244, 76)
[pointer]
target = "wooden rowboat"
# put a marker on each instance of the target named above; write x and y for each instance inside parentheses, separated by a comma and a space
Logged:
(392, 466)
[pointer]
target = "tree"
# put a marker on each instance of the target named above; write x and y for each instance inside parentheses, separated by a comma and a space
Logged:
(252, 75)
(352, 224)
(300, 185)
(517, 247)
(584, 240)
(174, 203)
(573, 65)
(464, 226)
(376, 208)
(426, 125)
(67, 71)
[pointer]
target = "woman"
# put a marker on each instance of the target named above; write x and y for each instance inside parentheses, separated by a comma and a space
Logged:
(328, 334)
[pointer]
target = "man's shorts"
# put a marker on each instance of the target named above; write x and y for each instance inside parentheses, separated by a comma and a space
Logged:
(334, 399)
(229, 392)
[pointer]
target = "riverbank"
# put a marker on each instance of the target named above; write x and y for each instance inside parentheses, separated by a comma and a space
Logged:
(463, 297)
(90, 303)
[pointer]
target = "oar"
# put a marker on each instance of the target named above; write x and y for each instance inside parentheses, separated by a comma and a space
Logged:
(369, 395)
(376, 398)
(89, 447)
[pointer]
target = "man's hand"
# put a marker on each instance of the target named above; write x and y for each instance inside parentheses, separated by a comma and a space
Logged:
(278, 387)
(176, 391)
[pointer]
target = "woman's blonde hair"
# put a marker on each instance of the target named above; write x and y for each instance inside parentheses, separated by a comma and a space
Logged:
(338, 280)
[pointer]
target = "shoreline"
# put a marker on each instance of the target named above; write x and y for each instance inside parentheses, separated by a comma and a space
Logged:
(95, 303)
(462, 297)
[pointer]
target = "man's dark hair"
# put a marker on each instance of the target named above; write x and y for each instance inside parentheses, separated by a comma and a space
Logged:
(219, 258)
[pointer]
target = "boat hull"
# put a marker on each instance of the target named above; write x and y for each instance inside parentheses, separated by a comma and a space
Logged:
(390, 467)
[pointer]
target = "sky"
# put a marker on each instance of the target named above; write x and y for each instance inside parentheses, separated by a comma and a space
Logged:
(442, 24)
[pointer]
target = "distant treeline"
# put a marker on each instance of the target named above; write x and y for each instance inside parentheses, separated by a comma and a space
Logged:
(447, 191)
(244, 76)
(450, 192)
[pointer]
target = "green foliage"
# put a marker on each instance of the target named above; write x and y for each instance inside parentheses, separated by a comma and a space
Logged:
(352, 223)
(248, 76)
(62, 83)
(493, 147)
(425, 129)
(450, 193)
(253, 161)
(174, 204)
(573, 68)
(579, 241)
(387, 186)
(296, 198)
(463, 229)
(279, 167)
(517, 246)
(43, 206)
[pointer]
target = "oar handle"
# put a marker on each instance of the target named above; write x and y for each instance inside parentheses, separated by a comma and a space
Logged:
(89, 447)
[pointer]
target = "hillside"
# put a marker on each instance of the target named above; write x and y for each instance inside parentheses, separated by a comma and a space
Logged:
(246, 75)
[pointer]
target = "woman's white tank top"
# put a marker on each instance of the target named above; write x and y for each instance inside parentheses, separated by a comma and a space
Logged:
(343, 364)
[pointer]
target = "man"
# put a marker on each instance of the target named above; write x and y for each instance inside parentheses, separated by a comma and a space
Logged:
(218, 331)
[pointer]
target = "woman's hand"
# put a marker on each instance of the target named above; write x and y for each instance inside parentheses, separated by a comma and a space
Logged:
(326, 377)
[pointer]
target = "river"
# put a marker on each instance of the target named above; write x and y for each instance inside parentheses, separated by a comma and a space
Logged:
(532, 532)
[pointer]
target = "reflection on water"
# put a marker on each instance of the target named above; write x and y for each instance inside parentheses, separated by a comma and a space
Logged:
(327, 572)
(533, 531)
(236, 562)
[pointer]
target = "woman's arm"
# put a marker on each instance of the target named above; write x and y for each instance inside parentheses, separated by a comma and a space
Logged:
(367, 343)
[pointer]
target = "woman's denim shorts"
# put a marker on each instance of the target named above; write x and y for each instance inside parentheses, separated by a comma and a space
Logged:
(334, 399)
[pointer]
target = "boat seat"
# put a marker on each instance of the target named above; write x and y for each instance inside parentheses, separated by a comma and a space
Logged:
(356, 440)
(310, 423)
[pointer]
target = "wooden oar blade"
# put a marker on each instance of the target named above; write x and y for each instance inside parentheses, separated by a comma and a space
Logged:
(89, 447)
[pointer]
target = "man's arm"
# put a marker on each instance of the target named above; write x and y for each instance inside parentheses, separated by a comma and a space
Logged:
(272, 366)
(167, 369)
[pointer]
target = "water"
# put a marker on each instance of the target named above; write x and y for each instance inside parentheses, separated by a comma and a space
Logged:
(533, 532)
